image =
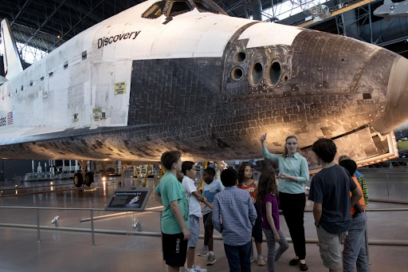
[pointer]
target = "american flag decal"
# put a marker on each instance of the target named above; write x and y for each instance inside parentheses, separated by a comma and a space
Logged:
(10, 118)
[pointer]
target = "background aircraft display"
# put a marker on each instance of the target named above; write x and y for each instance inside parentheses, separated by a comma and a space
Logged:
(391, 10)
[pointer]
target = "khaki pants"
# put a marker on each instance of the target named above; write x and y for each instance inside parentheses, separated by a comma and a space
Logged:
(330, 247)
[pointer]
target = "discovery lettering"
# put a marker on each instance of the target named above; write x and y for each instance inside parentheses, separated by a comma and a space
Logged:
(105, 41)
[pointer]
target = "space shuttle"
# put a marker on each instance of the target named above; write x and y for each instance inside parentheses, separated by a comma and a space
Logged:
(183, 75)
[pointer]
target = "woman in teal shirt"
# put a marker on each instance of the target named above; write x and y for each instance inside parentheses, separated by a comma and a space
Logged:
(293, 175)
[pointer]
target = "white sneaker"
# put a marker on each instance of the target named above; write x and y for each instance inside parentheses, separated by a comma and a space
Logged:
(211, 259)
(197, 269)
(203, 252)
(261, 261)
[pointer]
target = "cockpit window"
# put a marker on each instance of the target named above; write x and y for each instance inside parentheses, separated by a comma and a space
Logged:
(155, 10)
(179, 7)
(172, 8)
(205, 6)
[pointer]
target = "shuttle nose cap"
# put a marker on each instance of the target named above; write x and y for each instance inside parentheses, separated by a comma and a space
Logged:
(396, 110)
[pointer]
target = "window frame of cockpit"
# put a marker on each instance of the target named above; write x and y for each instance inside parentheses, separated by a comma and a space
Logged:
(210, 5)
(191, 8)
(166, 7)
(146, 16)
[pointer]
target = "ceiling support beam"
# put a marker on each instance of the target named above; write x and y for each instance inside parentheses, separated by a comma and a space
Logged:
(45, 22)
(339, 12)
(82, 10)
(20, 12)
(256, 10)
(73, 27)
(371, 23)
(393, 41)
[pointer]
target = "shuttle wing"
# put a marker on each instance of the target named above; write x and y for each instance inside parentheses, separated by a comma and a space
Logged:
(20, 135)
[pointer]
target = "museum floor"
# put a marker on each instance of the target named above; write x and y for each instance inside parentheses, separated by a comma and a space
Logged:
(70, 248)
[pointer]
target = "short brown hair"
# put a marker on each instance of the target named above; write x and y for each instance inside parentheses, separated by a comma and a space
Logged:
(187, 165)
(325, 149)
(169, 158)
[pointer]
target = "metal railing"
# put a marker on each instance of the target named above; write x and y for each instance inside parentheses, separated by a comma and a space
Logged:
(57, 227)
(391, 164)
(92, 230)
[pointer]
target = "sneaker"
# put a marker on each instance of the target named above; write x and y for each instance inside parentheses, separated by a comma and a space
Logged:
(294, 262)
(211, 259)
(261, 261)
(197, 269)
(203, 252)
(303, 267)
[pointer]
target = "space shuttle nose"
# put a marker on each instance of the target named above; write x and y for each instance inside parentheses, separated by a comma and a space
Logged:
(395, 111)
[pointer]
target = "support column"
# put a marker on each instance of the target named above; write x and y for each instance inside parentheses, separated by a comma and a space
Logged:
(350, 27)
(256, 10)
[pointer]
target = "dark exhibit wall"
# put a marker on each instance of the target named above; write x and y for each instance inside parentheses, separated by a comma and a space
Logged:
(1, 66)
(11, 169)
(1, 170)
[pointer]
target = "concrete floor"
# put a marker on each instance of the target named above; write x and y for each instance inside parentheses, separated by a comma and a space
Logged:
(73, 251)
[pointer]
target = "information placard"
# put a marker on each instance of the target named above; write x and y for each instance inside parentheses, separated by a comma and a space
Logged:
(120, 88)
(129, 199)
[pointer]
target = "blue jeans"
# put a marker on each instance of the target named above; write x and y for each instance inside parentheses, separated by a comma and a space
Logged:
(354, 254)
(239, 257)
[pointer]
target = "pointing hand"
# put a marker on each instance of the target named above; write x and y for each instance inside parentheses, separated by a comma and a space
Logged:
(263, 138)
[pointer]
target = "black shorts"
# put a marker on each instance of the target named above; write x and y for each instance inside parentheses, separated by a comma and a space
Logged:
(174, 249)
(257, 228)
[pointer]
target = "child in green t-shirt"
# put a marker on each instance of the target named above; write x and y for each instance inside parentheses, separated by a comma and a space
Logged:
(175, 220)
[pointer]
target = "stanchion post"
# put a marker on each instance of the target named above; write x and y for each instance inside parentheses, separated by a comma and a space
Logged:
(161, 232)
(38, 225)
(92, 229)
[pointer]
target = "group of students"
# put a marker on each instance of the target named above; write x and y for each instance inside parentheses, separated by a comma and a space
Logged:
(241, 208)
